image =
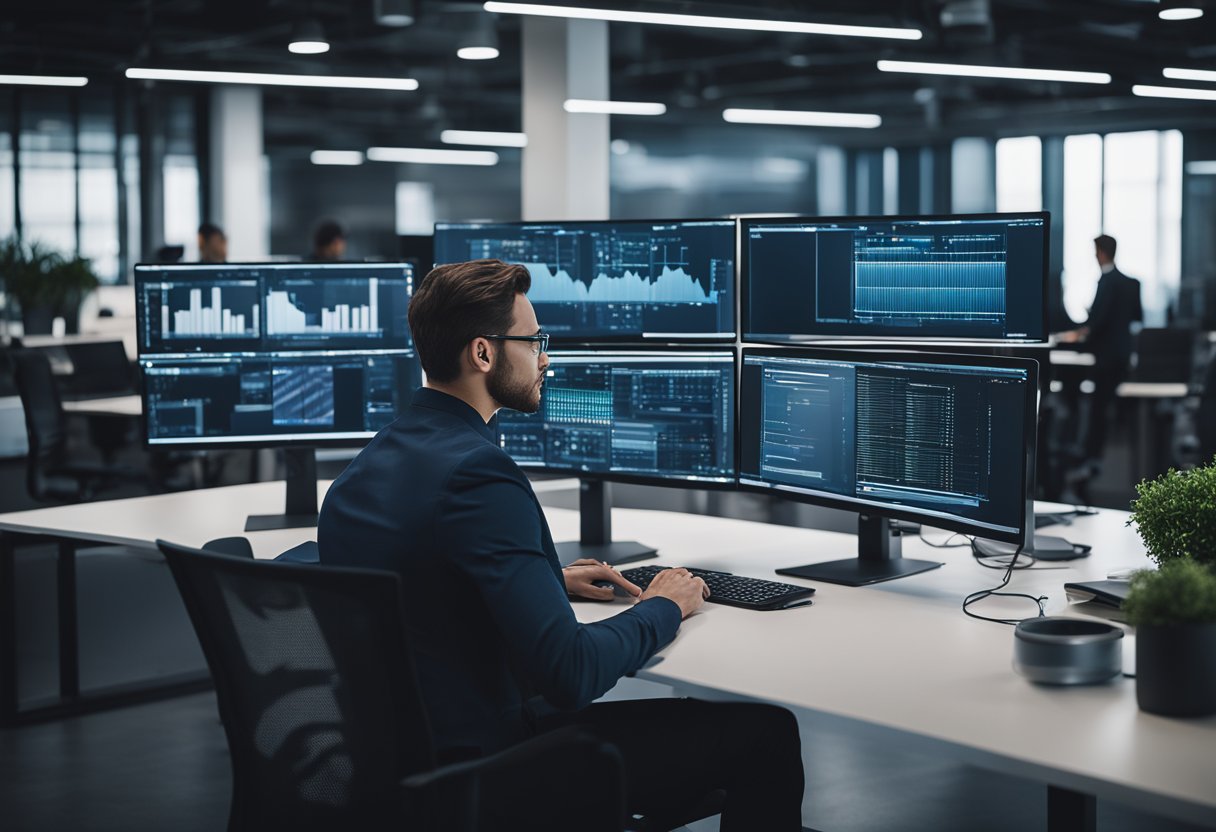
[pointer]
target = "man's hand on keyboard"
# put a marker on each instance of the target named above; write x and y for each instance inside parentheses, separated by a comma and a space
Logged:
(584, 574)
(681, 586)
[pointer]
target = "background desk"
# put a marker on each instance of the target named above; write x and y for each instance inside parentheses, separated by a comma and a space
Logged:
(898, 660)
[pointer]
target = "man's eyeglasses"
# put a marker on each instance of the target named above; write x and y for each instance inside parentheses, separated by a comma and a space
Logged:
(540, 342)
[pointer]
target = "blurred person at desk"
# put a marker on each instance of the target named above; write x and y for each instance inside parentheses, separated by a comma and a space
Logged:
(1108, 335)
(212, 244)
(328, 242)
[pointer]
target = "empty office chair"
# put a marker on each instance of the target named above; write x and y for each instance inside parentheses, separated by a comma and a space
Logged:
(49, 473)
(239, 547)
(1205, 419)
(326, 727)
(1164, 355)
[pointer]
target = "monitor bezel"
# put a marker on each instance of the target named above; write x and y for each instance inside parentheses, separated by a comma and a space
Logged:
(744, 270)
(654, 339)
(1029, 438)
(731, 481)
(319, 440)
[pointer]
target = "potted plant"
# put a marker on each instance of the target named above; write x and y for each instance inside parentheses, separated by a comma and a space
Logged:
(1174, 612)
(1175, 515)
(45, 284)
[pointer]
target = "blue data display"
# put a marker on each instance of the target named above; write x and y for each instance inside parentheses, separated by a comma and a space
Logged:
(980, 277)
(941, 439)
(613, 279)
(646, 415)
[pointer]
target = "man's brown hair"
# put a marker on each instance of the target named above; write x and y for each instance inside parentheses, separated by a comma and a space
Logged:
(459, 302)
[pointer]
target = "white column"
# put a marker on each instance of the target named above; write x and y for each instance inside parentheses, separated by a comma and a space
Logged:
(238, 203)
(565, 165)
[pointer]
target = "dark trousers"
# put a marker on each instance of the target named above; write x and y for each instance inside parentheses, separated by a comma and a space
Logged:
(677, 750)
(1106, 380)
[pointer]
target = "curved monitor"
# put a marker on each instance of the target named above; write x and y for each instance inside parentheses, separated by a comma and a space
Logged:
(970, 277)
(663, 417)
(273, 353)
(944, 439)
(617, 280)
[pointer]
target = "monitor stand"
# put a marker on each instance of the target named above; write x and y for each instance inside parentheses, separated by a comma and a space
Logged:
(595, 530)
(301, 505)
(878, 558)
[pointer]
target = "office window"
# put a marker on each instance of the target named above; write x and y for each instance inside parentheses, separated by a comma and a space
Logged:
(1136, 189)
(1082, 221)
(831, 181)
(130, 177)
(415, 208)
(47, 150)
(890, 181)
(7, 197)
(1019, 174)
(973, 183)
(181, 203)
(98, 188)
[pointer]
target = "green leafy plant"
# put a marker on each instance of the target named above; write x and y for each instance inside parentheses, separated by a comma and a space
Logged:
(35, 275)
(1182, 591)
(1175, 515)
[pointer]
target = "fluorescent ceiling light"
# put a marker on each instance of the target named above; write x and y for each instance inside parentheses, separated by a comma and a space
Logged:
(1180, 74)
(336, 157)
(704, 22)
(1011, 72)
(1180, 14)
(273, 79)
(802, 118)
(1207, 167)
(432, 156)
(45, 80)
(1173, 92)
(308, 47)
(477, 53)
(485, 138)
(615, 108)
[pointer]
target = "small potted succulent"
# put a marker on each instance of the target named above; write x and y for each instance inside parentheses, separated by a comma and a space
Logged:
(1174, 607)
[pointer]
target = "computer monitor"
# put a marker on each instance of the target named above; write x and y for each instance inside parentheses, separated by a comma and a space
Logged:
(619, 280)
(664, 418)
(256, 355)
(972, 277)
(947, 440)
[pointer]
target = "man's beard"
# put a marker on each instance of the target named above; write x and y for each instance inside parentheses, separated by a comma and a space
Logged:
(523, 396)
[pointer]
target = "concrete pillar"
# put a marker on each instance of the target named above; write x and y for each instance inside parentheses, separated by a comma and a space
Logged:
(238, 201)
(565, 165)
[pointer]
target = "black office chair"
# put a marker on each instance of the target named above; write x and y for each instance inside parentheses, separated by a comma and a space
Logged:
(1205, 419)
(326, 727)
(49, 474)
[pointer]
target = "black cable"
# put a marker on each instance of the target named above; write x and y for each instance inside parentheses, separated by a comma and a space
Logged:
(946, 544)
(996, 591)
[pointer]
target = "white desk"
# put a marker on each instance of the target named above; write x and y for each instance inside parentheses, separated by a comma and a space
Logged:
(898, 659)
(107, 406)
(1147, 393)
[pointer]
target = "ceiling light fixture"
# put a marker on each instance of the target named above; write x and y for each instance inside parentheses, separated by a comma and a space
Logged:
(1181, 74)
(614, 108)
(484, 138)
(704, 22)
(273, 79)
(308, 38)
(432, 156)
(480, 41)
(1204, 167)
(1008, 72)
(1149, 91)
(45, 80)
(802, 118)
(1179, 10)
(393, 12)
(336, 157)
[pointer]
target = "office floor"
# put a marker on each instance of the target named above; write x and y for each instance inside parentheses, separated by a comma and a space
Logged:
(164, 765)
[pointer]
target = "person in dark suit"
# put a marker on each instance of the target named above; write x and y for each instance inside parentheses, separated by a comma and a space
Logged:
(1108, 335)
(500, 655)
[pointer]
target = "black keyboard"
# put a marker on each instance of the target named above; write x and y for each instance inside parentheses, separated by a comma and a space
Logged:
(737, 591)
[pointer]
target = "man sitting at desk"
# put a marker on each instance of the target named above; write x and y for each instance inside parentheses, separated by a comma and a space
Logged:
(435, 499)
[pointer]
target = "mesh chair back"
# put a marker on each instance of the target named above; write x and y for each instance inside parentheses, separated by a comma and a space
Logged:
(316, 688)
(44, 420)
(1165, 355)
(101, 367)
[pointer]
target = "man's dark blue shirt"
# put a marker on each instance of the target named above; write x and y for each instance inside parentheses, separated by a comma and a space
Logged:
(434, 499)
